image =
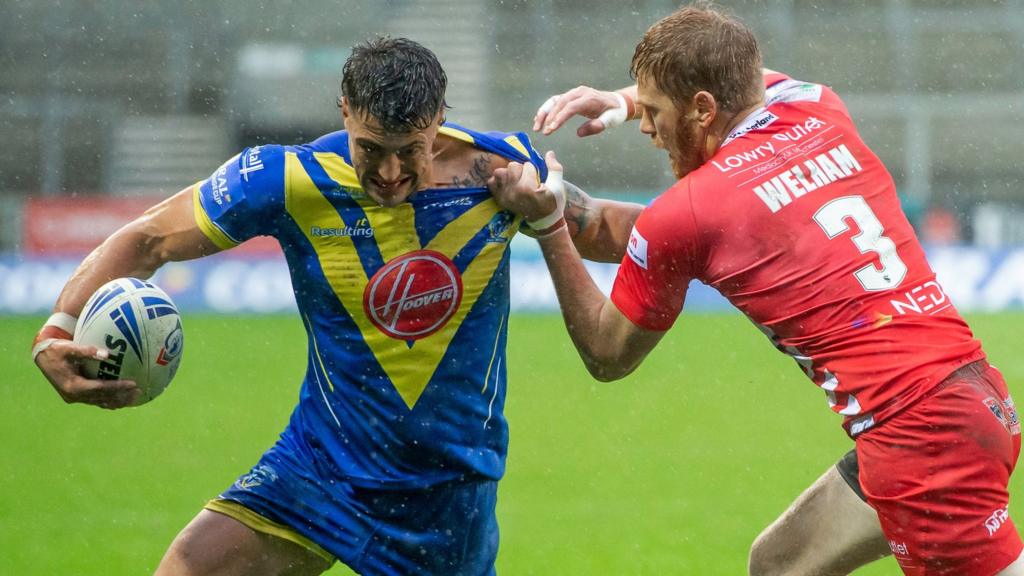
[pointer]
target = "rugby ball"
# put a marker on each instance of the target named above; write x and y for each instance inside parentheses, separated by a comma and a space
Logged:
(140, 326)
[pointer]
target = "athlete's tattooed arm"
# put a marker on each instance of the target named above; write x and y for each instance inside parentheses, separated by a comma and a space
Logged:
(579, 210)
(600, 228)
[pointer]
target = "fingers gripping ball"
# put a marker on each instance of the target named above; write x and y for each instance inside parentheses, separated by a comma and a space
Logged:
(141, 327)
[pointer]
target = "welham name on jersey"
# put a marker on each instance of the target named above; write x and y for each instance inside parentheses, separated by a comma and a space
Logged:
(818, 172)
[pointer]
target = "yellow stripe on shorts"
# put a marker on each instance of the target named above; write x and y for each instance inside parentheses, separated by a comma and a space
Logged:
(266, 526)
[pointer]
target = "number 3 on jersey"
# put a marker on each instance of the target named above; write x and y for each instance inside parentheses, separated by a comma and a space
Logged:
(832, 219)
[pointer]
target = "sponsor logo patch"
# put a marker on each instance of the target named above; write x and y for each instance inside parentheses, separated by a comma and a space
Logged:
(251, 162)
(793, 91)
(637, 248)
(1011, 416)
(761, 120)
(498, 227)
(413, 295)
(1005, 412)
(899, 548)
(996, 520)
(259, 475)
(219, 186)
(362, 229)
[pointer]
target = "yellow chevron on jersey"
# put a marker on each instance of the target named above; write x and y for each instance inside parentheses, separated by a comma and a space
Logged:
(339, 170)
(409, 368)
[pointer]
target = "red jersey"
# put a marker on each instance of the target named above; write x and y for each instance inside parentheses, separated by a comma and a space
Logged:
(797, 223)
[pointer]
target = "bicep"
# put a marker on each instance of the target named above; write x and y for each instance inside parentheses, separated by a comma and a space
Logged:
(171, 225)
(166, 232)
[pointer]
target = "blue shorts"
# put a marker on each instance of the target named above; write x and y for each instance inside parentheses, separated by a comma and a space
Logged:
(447, 529)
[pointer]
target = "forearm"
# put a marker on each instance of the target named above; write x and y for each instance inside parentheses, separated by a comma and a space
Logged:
(126, 253)
(582, 304)
(599, 228)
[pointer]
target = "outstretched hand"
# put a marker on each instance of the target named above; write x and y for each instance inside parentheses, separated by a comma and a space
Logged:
(518, 188)
(61, 363)
(601, 107)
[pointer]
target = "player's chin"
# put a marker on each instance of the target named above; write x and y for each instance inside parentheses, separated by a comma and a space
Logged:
(393, 195)
(681, 167)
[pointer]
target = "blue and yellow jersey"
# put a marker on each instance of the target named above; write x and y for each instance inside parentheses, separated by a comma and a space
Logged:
(405, 308)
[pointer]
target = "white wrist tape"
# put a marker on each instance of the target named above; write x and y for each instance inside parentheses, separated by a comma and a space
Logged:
(62, 320)
(43, 345)
(556, 184)
(615, 116)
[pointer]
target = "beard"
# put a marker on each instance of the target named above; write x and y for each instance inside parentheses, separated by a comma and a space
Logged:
(688, 154)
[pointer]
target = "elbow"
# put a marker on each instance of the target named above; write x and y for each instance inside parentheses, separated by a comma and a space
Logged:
(604, 374)
(608, 368)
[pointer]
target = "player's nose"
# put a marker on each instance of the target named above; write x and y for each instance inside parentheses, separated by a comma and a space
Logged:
(390, 168)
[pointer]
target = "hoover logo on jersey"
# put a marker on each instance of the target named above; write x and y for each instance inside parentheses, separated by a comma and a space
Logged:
(637, 248)
(414, 295)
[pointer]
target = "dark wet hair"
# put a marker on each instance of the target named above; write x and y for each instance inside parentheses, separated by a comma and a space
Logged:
(397, 81)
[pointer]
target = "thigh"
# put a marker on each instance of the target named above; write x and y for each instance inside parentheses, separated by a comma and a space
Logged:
(448, 530)
(215, 544)
(938, 474)
(286, 495)
(827, 531)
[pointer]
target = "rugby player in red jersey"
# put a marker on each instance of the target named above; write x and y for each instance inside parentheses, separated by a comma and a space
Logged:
(782, 208)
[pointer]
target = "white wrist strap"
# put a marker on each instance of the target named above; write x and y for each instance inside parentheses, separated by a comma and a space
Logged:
(43, 345)
(615, 116)
(556, 184)
(60, 320)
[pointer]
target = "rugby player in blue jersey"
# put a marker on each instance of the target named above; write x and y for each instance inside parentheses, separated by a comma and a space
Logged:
(399, 261)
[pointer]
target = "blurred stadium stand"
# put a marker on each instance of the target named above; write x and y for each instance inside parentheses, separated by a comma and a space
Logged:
(104, 97)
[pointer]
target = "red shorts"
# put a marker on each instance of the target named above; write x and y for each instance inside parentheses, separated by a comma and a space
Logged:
(937, 474)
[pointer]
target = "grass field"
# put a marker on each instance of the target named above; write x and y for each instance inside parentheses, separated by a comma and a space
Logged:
(672, 471)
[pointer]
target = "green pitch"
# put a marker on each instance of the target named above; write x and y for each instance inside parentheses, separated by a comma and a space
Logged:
(672, 471)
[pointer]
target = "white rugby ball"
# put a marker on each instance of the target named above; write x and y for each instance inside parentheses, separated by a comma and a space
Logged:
(140, 326)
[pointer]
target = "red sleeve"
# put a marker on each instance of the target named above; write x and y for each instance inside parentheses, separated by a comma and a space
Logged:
(661, 259)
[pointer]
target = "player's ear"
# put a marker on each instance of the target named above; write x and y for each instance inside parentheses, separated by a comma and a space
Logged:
(705, 108)
(343, 104)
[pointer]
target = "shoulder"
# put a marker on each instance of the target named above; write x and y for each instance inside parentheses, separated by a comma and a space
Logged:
(258, 167)
(505, 147)
(671, 212)
(334, 142)
(785, 91)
